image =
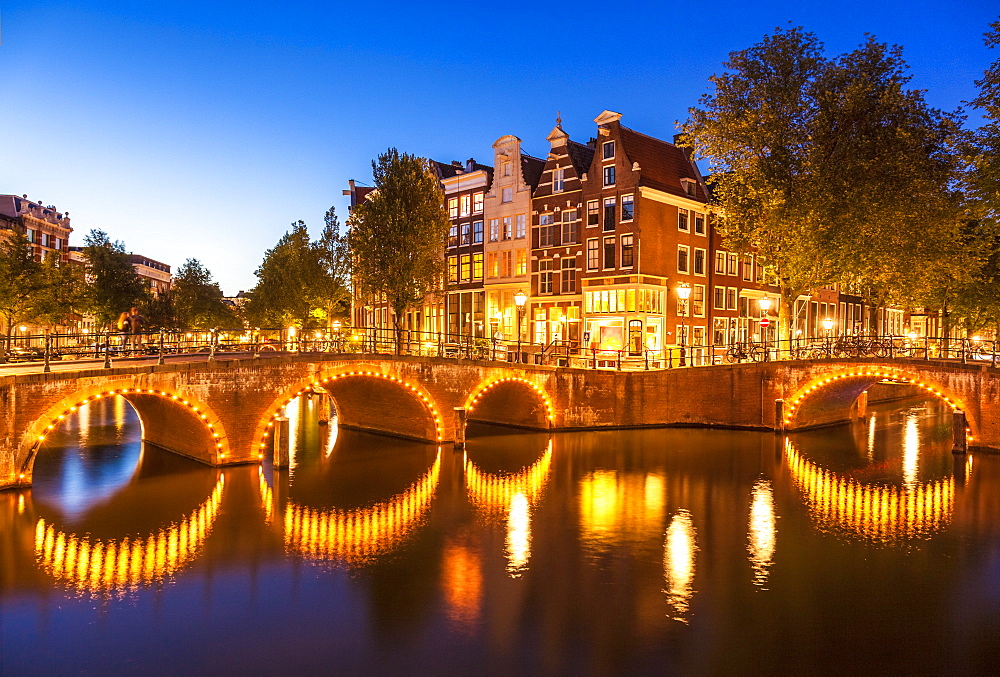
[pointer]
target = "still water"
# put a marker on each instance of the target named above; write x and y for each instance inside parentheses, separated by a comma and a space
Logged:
(861, 548)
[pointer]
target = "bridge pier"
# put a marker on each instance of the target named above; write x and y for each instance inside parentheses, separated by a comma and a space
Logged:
(960, 444)
(461, 420)
(862, 405)
(281, 450)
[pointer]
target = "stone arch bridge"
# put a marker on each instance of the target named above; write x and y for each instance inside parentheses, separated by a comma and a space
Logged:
(222, 412)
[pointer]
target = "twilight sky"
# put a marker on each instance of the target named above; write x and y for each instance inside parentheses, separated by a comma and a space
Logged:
(202, 129)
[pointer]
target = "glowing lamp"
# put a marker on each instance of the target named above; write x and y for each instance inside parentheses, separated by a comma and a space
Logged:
(684, 291)
(765, 303)
(828, 324)
(520, 298)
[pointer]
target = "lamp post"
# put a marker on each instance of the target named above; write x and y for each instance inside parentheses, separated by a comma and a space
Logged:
(827, 326)
(683, 293)
(520, 298)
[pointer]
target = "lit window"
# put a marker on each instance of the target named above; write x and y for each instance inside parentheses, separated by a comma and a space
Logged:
(477, 266)
(522, 262)
(466, 273)
(453, 208)
(609, 175)
(593, 213)
(477, 203)
(465, 205)
(506, 263)
(492, 268)
(453, 235)
(452, 269)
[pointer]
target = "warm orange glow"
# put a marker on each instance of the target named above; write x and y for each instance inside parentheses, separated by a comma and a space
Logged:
(92, 565)
(762, 533)
(679, 551)
(462, 581)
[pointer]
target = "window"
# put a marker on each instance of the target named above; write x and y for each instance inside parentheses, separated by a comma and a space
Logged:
(465, 205)
(699, 224)
(628, 208)
(477, 266)
(545, 277)
(506, 194)
(492, 267)
(593, 254)
(465, 274)
(558, 180)
(698, 300)
(609, 252)
(508, 227)
(452, 269)
(466, 233)
(453, 235)
(593, 213)
(731, 264)
(720, 262)
(477, 232)
(453, 207)
(719, 300)
(609, 175)
(683, 253)
(609, 150)
(731, 298)
(699, 261)
(519, 229)
(609, 213)
(506, 263)
(682, 219)
(546, 234)
(628, 256)
(506, 169)
(494, 230)
(747, 268)
(568, 276)
(760, 272)
(569, 226)
(477, 203)
(522, 262)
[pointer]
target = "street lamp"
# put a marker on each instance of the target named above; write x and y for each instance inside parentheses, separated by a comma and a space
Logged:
(827, 325)
(520, 298)
(683, 293)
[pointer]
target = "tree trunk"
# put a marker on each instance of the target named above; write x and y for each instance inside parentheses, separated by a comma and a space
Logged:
(785, 309)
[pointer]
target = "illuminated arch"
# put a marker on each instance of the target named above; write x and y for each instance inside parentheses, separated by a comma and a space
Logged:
(474, 398)
(795, 404)
(492, 493)
(354, 536)
(276, 407)
(91, 565)
(56, 414)
(875, 512)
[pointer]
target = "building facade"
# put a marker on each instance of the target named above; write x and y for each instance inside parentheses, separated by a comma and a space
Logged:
(46, 228)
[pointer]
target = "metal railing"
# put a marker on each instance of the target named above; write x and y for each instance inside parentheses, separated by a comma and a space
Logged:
(110, 346)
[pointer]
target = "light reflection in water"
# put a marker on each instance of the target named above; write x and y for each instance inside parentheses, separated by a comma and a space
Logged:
(617, 506)
(510, 496)
(763, 531)
(462, 582)
(871, 438)
(911, 449)
(358, 536)
(879, 513)
(678, 565)
(111, 566)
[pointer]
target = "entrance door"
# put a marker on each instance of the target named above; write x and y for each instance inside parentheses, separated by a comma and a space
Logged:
(635, 337)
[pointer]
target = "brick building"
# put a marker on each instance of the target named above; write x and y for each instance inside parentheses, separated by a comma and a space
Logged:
(46, 228)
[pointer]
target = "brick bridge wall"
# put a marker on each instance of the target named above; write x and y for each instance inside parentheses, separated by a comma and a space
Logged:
(219, 412)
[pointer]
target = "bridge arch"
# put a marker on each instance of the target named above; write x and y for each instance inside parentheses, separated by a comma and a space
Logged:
(502, 401)
(829, 399)
(414, 414)
(171, 420)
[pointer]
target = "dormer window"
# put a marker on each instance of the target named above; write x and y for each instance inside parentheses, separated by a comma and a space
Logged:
(689, 186)
(609, 150)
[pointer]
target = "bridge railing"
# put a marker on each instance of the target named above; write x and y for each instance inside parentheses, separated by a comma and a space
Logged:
(107, 345)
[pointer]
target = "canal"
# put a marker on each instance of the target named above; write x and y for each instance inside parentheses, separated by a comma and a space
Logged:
(861, 548)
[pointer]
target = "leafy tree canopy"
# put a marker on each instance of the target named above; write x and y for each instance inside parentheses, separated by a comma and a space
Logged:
(114, 285)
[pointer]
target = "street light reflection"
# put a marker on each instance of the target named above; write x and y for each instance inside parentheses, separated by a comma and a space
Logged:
(678, 565)
(763, 531)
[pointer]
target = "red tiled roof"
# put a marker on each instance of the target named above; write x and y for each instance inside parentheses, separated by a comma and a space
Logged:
(662, 165)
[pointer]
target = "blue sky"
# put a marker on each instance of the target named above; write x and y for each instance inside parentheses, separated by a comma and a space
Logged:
(203, 129)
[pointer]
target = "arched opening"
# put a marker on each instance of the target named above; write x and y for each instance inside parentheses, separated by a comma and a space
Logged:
(842, 397)
(167, 420)
(364, 400)
(511, 402)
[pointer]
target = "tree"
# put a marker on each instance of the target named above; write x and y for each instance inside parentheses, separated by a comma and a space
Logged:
(62, 295)
(301, 281)
(197, 299)
(397, 235)
(984, 179)
(114, 284)
(21, 281)
(831, 170)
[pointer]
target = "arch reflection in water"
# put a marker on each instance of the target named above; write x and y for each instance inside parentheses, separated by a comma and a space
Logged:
(679, 551)
(510, 496)
(763, 531)
(357, 536)
(618, 506)
(111, 566)
(880, 513)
